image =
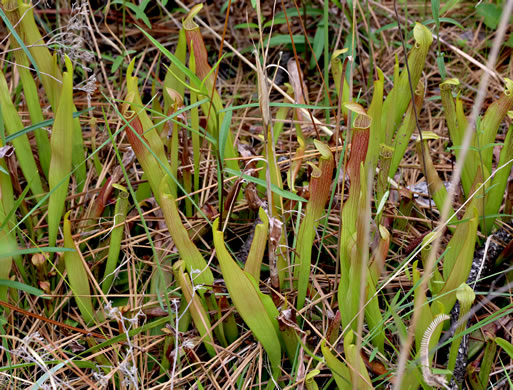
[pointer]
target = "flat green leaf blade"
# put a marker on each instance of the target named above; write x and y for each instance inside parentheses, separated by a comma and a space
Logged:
(16, 36)
(247, 301)
(198, 312)
(194, 261)
(21, 145)
(505, 345)
(339, 370)
(77, 274)
(60, 163)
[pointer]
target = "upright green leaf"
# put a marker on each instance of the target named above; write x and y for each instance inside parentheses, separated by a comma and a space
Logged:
(248, 302)
(495, 195)
(77, 274)
(320, 189)
(213, 109)
(51, 78)
(194, 262)
(116, 236)
(256, 252)
(7, 238)
(359, 374)
(21, 144)
(458, 258)
(60, 164)
(340, 372)
(29, 86)
(495, 114)
(193, 302)
(404, 133)
(399, 97)
(175, 77)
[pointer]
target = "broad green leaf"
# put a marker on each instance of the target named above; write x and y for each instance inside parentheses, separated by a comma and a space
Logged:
(193, 302)
(61, 161)
(194, 262)
(320, 186)
(256, 252)
(340, 372)
(18, 39)
(505, 345)
(247, 301)
(500, 180)
(359, 374)
(404, 133)
(175, 77)
(116, 236)
(458, 259)
(399, 97)
(77, 274)
(22, 148)
(491, 14)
